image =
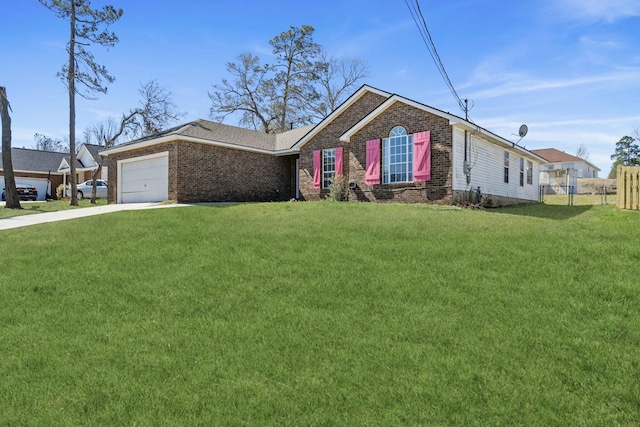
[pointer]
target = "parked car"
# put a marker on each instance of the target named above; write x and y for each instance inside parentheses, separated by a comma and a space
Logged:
(25, 192)
(85, 189)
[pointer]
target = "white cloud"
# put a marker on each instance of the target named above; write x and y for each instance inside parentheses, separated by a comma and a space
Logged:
(608, 11)
(515, 83)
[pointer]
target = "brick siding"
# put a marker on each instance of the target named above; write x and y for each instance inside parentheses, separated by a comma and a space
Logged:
(206, 173)
(437, 190)
(329, 137)
(209, 173)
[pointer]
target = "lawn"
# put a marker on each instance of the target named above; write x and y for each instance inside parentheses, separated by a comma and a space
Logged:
(581, 199)
(323, 314)
(51, 206)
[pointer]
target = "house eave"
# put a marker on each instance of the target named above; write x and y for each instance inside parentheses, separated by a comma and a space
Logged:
(454, 121)
(498, 140)
(34, 172)
(344, 106)
(176, 137)
(346, 137)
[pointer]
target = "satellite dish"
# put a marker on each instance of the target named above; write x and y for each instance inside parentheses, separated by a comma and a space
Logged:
(523, 131)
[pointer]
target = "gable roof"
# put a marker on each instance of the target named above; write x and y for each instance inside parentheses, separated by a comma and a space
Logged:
(556, 156)
(453, 121)
(30, 160)
(204, 131)
(94, 150)
(344, 106)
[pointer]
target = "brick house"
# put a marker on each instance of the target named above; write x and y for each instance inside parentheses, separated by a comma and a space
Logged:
(204, 161)
(388, 148)
(36, 167)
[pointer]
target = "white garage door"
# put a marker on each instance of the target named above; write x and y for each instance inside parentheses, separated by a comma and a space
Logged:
(144, 179)
(41, 184)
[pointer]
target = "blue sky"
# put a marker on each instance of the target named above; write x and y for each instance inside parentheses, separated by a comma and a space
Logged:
(569, 69)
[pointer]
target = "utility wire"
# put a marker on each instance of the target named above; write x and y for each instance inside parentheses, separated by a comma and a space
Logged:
(420, 22)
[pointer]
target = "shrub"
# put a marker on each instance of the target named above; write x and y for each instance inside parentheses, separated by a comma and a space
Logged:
(338, 190)
(60, 191)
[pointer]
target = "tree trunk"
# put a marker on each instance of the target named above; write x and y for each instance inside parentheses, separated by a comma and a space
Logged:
(13, 201)
(72, 107)
(94, 176)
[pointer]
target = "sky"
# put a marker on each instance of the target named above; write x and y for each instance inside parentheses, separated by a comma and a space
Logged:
(568, 69)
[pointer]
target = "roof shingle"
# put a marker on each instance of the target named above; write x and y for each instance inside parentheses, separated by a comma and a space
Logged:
(24, 159)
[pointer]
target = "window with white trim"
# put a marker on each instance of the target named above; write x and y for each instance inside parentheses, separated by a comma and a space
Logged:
(397, 157)
(529, 172)
(521, 172)
(328, 166)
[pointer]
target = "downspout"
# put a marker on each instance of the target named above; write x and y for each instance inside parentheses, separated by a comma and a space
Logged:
(465, 164)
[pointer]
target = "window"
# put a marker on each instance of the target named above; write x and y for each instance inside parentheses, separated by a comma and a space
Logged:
(328, 166)
(529, 172)
(521, 172)
(397, 157)
(506, 167)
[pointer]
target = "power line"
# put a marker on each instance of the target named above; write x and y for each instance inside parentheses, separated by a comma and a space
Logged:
(421, 23)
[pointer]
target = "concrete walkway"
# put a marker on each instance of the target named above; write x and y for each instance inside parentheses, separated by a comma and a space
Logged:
(41, 218)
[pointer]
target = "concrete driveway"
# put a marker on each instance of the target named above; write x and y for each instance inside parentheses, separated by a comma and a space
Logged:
(32, 219)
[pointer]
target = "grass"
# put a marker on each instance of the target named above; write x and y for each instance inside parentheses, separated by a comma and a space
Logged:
(580, 199)
(323, 314)
(51, 206)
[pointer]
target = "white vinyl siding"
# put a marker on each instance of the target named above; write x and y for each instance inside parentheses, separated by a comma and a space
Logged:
(487, 168)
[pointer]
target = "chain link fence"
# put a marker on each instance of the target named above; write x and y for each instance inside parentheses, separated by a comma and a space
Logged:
(587, 191)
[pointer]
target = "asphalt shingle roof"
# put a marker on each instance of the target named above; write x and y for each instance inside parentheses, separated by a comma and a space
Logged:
(94, 150)
(219, 132)
(24, 159)
(553, 155)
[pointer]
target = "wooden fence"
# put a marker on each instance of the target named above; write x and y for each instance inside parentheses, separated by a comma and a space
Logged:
(628, 187)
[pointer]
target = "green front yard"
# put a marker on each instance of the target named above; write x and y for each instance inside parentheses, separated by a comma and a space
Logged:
(323, 314)
(42, 207)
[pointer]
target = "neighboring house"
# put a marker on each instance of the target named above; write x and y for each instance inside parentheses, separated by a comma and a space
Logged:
(561, 172)
(86, 162)
(36, 167)
(389, 149)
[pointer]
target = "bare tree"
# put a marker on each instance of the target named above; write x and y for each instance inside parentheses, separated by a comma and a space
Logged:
(249, 94)
(301, 85)
(48, 143)
(296, 73)
(582, 152)
(11, 194)
(155, 112)
(337, 78)
(87, 26)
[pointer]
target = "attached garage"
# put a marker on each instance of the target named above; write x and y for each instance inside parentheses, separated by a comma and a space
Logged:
(144, 179)
(203, 161)
(41, 184)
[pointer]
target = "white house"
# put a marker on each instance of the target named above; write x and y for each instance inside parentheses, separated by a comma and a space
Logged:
(562, 170)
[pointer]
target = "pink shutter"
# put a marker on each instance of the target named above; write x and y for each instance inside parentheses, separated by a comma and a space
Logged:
(338, 160)
(422, 156)
(316, 169)
(372, 176)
